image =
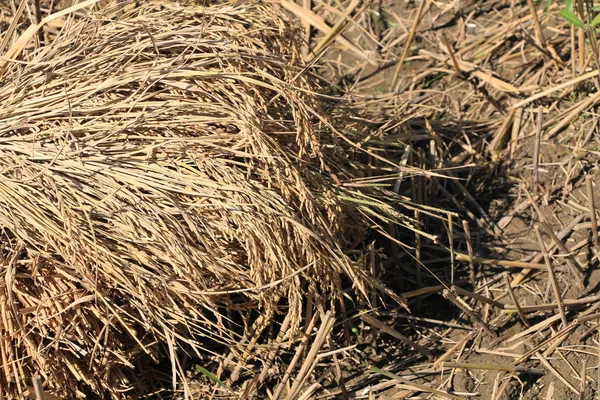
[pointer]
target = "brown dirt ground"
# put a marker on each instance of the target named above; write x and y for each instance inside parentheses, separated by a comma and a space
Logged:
(444, 100)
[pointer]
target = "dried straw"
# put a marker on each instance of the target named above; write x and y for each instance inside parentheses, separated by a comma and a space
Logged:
(171, 183)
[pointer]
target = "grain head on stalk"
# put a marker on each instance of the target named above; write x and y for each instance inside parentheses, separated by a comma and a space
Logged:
(171, 183)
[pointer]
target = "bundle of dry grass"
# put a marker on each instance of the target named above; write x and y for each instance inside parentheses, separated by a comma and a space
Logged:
(170, 184)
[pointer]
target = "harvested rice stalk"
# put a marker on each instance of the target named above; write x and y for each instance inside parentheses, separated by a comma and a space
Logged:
(170, 184)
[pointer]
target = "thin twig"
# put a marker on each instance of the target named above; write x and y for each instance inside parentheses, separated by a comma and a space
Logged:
(38, 388)
(451, 52)
(371, 320)
(594, 224)
(562, 234)
(598, 369)
(465, 307)
(467, 231)
(411, 36)
(38, 20)
(418, 386)
(494, 367)
(583, 377)
(499, 263)
(516, 301)
(307, 4)
(556, 373)
(309, 364)
(536, 149)
(468, 293)
(451, 350)
(552, 276)
(569, 259)
(451, 243)
(536, 24)
(296, 358)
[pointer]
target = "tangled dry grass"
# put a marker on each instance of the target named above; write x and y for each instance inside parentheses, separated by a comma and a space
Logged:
(172, 185)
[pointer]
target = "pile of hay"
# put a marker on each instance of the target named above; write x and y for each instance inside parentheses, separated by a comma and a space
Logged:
(171, 184)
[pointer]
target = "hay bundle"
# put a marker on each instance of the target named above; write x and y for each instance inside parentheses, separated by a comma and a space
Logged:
(168, 184)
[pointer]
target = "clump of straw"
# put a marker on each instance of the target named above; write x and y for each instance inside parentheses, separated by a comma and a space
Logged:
(170, 183)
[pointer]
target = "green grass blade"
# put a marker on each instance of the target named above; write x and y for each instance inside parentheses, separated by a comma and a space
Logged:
(569, 5)
(571, 18)
(212, 377)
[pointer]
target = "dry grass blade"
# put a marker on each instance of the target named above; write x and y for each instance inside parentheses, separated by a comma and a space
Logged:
(554, 306)
(317, 21)
(411, 36)
(426, 290)
(472, 271)
(536, 23)
(576, 111)
(446, 356)
(552, 277)
(573, 265)
(327, 321)
(39, 389)
(415, 385)
(371, 320)
(583, 376)
(464, 292)
(513, 296)
(8, 34)
(594, 224)
(500, 263)
(493, 367)
(336, 29)
(465, 307)
(24, 39)
(557, 374)
(307, 4)
(501, 136)
(536, 151)
(561, 235)
(571, 82)
(598, 372)
(299, 349)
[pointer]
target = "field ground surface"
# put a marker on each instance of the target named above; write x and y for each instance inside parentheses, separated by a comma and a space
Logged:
(500, 97)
